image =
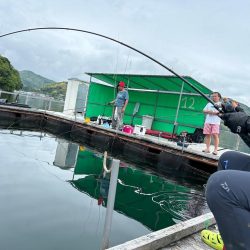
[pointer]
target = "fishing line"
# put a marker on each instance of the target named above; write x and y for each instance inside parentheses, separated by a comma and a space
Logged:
(44, 113)
(127, 63)
(119, 42)
(110, 143)
(116, 63)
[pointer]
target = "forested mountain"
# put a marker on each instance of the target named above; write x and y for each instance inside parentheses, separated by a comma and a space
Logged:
(9, 76)
(56, 90)
(246, 108)
(37, 83)
(32, 81)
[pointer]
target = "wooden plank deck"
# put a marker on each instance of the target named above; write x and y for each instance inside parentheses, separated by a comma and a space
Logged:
(62, 124)
(157, 240)
(181, 235)
(191, 242)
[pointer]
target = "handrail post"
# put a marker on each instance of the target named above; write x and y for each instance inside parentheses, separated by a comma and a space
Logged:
(177, 110)
(110, 203)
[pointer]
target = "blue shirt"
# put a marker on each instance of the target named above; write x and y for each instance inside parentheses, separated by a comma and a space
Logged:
(121, 97)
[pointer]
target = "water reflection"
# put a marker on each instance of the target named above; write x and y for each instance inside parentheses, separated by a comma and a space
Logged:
(66, 154)
(143, 196)
(148, 198)
(53, 196)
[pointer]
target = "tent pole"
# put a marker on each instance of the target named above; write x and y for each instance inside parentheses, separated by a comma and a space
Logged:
(90, 78)
(177, 111)
(128, 83)
(156, 102)
(110, 203)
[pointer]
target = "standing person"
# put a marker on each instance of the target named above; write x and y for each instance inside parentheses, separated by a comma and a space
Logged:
(212, 123)
(120, 103)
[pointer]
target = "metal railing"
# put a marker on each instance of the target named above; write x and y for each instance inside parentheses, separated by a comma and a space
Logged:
(232, 141)
(228, 140)
(33, 100)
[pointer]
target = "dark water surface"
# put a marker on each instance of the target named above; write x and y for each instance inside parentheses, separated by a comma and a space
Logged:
(53, 196)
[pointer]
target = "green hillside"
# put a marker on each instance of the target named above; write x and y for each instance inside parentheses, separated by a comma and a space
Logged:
(9, 76)
(246, 108)
(56, 90)
(32, 81)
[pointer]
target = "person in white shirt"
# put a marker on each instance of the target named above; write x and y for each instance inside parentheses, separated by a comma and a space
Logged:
(212, 123)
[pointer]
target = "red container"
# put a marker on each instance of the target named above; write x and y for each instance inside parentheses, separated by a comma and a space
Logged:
(128, 129)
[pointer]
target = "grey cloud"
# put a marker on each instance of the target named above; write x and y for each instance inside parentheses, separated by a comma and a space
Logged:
(207, 40)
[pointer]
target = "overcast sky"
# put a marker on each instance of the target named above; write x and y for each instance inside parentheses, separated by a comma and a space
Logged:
(207, 40)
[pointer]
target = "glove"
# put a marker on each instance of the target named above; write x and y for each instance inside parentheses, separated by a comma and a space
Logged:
(237, 122)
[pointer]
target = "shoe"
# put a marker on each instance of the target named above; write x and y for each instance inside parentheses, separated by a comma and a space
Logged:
(215, 153)
(205, 151)
(212, 239)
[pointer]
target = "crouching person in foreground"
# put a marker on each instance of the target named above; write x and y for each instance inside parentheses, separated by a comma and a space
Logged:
(228, 192)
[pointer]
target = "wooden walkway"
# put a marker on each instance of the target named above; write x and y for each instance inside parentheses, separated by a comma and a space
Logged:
(192, 242)
(184, 235)
(155, 150)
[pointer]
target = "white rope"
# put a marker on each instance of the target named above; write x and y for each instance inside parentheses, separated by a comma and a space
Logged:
(106, 170)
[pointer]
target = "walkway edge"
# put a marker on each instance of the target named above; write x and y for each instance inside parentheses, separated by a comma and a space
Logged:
(164, 237)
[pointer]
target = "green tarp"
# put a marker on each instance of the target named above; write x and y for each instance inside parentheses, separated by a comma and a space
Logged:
(151, 82)
(162, 106)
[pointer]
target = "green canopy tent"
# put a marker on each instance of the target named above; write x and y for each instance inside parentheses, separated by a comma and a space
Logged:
(168, 99)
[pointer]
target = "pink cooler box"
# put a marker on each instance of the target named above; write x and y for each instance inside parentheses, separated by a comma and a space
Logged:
(128, 129)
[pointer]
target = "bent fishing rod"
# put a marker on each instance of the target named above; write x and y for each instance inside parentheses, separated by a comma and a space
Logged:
(119, 42)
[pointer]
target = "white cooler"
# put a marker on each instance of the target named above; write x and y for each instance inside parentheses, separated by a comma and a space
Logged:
(139, 130)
